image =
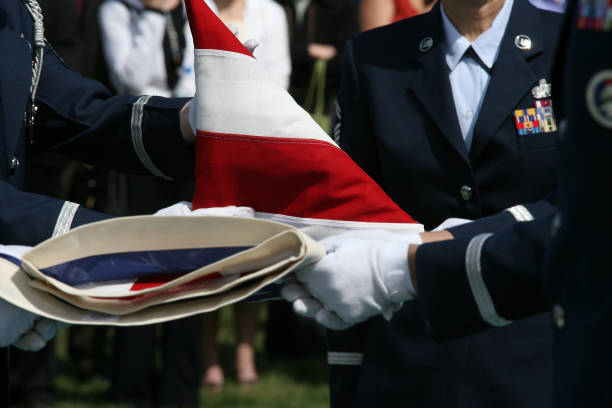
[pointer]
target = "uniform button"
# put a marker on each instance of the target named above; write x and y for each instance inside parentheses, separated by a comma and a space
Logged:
(468, 114)
(556, 225)
(466, 192)
(558, 315)
(14, 165)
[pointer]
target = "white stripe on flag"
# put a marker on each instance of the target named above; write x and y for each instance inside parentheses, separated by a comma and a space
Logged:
(233, 82)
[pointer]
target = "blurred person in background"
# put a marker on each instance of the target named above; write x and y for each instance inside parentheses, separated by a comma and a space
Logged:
(318, 31)
(148, 47)
(376, 13)
(148, 50)
(263, 21)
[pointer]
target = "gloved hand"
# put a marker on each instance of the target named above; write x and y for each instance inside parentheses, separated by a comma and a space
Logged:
(450, 223)
(18, 327)
(24, 329)
(192, 107)
(364, 273)
(184, 208)
(14, 322)
(43, 330)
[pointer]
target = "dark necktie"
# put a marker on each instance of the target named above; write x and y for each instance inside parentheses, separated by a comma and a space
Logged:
(470, 53)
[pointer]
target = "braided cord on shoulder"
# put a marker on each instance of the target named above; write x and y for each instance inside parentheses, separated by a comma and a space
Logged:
(39, 45)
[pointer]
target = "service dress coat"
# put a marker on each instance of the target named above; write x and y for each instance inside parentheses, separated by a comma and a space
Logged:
(78, 117)
(399, 123)
(560, 260)
(578, 278)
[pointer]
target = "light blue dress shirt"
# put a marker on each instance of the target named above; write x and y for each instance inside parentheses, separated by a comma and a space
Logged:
(468, 78)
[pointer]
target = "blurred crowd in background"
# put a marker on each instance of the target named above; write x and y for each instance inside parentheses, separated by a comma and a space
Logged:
(145, 47)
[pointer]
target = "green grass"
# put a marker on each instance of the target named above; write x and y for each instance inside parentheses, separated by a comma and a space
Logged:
(285, 382)
(275, 389)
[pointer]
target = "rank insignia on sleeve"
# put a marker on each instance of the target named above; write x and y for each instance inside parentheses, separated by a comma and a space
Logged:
(539, 119)
(594, 15)
(599, 98)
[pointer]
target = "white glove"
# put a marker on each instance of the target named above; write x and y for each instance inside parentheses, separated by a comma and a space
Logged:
(364, 273)
(192, 114)
(44, 330)
(250, 45)
(18, 327)
(14, 322)
(184, 208)
(450, 223)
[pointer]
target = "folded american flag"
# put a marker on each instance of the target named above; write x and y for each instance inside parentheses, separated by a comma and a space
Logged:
(140, 270)
(257, 147)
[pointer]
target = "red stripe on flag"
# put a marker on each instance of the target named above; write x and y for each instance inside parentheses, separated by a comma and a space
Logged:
(153, 282)
(208, 31)
(158, 280)
(298, 177)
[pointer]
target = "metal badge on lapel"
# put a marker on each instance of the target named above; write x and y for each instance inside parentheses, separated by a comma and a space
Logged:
(542, 90)
(594, 15)
(426, 44)
(522, 42)
(539, 119)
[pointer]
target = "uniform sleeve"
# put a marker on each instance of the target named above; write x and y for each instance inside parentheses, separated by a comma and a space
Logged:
(473, 283)
(507, 218)
(80, 118)
(28, 219)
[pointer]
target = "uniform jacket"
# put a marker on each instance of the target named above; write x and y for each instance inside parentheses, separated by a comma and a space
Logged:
(490, 275)
(578, 277)
(558, 261)
(399, 124)
(78, 117)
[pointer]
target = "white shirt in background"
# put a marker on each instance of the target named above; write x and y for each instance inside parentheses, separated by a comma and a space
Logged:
(132, 40)
(265, 21)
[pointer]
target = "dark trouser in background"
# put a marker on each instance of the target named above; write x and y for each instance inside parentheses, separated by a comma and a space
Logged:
(4, 377)
(31, 376)
(136, 378)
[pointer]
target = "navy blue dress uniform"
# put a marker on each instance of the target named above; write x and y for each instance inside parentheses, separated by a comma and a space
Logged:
(559, 261)
(399, 123)
(75, 116)
(578, 278)
(80, 118)
(490, 275)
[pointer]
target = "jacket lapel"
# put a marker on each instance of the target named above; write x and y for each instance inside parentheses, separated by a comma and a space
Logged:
(431, 84)
(15, 88)
(512, 77)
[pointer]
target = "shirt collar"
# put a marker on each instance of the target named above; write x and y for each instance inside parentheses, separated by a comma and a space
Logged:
(486, 45)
